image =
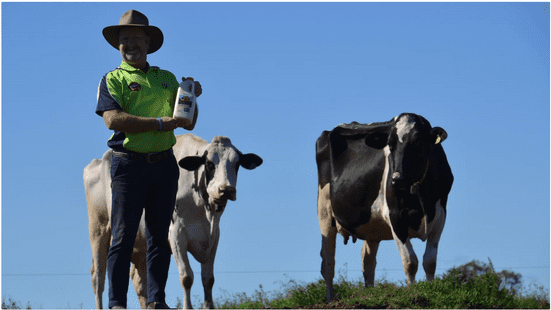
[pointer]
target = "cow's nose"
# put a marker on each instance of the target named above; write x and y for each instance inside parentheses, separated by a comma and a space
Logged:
(396, 176)
(228, 192)
(398, 181)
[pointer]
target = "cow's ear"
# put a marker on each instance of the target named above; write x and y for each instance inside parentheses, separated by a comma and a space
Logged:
(192, 163)
(438, 134)
(377, 140)
(250, 161)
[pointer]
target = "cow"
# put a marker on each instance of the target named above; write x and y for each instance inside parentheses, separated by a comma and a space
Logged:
(207, 181)
(382, 181)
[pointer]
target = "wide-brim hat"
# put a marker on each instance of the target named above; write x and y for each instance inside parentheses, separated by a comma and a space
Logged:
(133, 18)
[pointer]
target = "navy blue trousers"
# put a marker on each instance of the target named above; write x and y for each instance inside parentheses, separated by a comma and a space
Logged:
(139, 186)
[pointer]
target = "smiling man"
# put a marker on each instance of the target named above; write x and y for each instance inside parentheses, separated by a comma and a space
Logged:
(134, 43)
(136, 101)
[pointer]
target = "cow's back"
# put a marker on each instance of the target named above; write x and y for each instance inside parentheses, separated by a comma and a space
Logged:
(189, 145)
(322, 159)
(97, 186)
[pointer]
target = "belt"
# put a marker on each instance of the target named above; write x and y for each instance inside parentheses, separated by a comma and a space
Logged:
(148, 157)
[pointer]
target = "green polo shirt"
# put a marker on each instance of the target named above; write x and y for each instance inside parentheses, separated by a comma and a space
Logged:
(150, 94)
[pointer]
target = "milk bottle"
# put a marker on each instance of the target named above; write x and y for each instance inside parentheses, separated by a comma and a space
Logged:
(185, 104)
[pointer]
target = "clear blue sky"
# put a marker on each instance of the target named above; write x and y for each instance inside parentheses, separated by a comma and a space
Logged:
(275, 75)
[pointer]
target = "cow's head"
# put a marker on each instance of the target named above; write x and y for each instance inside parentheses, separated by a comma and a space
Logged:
(221, 161)
(410, 142)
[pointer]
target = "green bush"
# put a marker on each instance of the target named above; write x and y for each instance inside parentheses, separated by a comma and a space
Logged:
(474, 269)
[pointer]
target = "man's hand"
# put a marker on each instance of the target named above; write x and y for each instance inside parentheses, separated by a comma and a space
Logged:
(198, 88)
(170, 123)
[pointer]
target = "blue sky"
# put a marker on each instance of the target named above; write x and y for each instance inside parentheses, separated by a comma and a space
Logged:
(275, 75)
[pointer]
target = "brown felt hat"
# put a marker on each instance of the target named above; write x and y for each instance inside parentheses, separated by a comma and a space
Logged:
(133, 18)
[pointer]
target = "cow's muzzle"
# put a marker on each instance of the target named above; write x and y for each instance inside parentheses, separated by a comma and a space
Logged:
(402, 184)
(399, 182)
(224, 194)
(228, 192)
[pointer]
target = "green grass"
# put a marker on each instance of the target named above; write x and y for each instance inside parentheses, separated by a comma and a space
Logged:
(482, 292)
(473, 285)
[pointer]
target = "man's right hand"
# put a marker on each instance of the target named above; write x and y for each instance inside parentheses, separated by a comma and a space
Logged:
(171, 123)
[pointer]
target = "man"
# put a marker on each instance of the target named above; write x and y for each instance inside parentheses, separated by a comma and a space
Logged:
(136, 100)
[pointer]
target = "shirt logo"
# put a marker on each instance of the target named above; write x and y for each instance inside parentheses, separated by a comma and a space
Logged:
(135, 86)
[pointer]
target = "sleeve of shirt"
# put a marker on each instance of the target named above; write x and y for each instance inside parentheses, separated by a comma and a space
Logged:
(106, 101)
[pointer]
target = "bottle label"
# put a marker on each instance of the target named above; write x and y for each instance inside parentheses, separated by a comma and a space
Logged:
(184, 100)
(185, 104)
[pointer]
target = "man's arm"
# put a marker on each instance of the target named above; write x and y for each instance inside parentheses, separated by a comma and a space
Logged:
(125, 122)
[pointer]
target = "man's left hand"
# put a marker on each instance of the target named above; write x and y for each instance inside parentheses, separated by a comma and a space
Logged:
(198, 88)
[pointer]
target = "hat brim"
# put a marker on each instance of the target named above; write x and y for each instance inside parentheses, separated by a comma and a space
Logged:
(111, 34)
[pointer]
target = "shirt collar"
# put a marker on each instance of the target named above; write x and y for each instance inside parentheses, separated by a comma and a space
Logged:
(128, 67)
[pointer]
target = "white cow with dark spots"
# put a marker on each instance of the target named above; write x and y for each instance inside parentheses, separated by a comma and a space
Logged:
(207, 181)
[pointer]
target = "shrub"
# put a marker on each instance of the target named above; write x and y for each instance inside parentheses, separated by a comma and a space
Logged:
(506, 279)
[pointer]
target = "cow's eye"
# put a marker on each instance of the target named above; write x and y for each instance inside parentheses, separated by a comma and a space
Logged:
(392, 143)
(210, 170)
(210, 166)
(392, 146)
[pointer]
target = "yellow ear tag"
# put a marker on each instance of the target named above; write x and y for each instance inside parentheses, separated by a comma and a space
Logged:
(437, 139)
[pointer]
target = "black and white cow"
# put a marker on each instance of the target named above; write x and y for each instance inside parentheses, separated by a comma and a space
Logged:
(382, 181)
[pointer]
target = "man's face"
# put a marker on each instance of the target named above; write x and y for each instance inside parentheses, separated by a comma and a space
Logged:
(133, 45)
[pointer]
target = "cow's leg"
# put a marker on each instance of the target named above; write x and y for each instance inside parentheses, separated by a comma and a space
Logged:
(431, 251)
(409, 259)
(98, 278)
(178, 244)
(328, 240)
(138, 274)
(369, 260)
(100, 240)
(328, 245)
(429, 259)
(186, 279)
(207, 276)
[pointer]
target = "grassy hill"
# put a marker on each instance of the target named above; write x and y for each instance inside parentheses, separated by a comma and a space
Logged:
(481, 293)
(470, 286)
(473, 285)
